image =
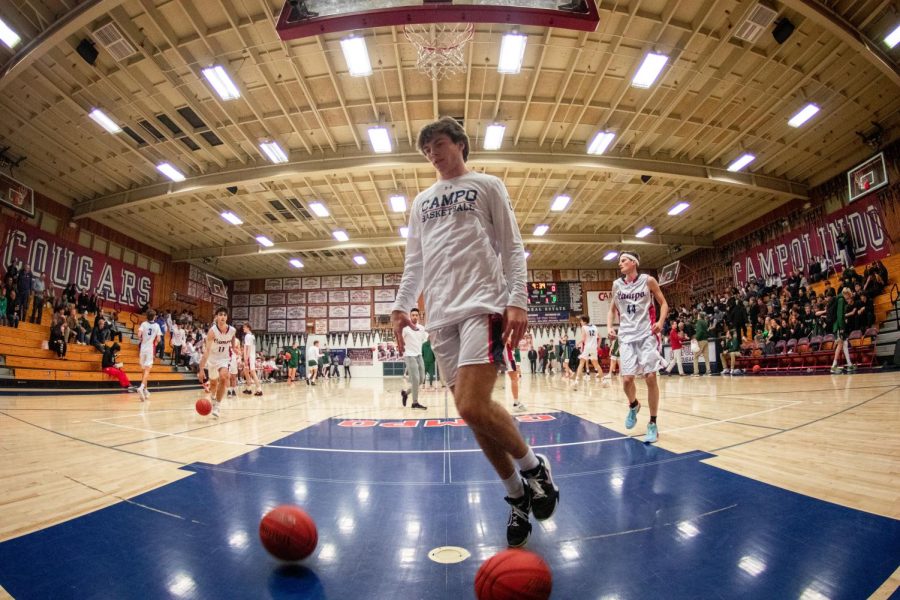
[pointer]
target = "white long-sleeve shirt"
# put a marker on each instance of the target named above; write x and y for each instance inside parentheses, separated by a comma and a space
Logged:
(464, 231)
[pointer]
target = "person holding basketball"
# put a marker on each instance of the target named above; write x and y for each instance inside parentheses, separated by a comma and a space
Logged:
(465, 252)
(638, 336)
(217, 357)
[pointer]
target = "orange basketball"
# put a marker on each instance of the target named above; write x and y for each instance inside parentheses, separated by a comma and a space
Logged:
(514, 575)
(287, 356)
(203, 406)
(288, 533)
(757, 368)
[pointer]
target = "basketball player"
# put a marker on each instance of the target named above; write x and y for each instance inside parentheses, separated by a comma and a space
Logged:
(234, 359)
(251, 378)
(638, 336)
(312, 363)
(217, 356)
(293, 362)
(512, 369)
(414, 337)
(150, 335)
(465, 251)
(588, 351)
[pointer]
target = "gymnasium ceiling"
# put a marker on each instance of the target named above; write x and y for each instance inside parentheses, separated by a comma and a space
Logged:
(717, 97)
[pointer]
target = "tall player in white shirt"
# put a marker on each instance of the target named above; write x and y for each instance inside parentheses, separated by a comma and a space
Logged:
(251, 377)
(588, 351)
(217, 356)
(465, 252)
(149, 334)
(638, 334)
(414, 335)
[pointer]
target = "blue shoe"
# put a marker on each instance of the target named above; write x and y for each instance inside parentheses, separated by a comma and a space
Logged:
(652, 434)
(631, 419)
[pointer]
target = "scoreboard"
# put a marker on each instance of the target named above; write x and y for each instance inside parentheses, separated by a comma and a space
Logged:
(554, 297)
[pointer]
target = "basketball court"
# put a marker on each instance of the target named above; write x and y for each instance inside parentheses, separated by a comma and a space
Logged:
(261, 155)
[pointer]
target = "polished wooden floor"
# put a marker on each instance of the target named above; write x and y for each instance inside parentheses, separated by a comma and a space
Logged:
(834, 438)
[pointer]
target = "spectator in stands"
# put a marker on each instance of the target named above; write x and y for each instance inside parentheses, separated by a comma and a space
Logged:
(865, 314)
(76, 331)
(24, 288)
(59, 333)
(731, 351)
(815, 270)
(99, 334)
(829, 291)
(82, 302)
(112, 367)
(846, 251)
(795, 328)
(178, 339)
(12, 273)
(12, 308)
(93, 306)
(112, 329)
(736, 314)
(874, 281)
(70, 293)
(38, 288)
(850, 277)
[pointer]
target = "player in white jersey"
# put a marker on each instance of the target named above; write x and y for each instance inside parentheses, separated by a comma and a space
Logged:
(216, 357)
(464, 251)
(235, 361)
(638, 336)
(512, 369)
(251, 378)
(414, 336)
(589, 339)
(149, 334)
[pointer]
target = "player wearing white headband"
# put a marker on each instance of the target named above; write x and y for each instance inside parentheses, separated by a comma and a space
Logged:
(638, 334)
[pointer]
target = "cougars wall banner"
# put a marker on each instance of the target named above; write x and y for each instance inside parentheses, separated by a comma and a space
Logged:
(63, 262)
(794, 251)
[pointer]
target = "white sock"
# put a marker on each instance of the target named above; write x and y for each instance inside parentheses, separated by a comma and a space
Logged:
(847, 353)
(528, 462)
(514, 486)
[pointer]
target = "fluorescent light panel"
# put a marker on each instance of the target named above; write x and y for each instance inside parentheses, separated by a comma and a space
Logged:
(541, 229)
(678, 209)
(170, 171)
(805, 114)
(318, 209)
(264, 241)
(644, 232)
(742, 161)
(221, 82)
(610, 255)
(398, 202)
(493, 136)
(99, 117)
(527, 254)
(296, 263)
(357, 56)
(404, 232)
(512, 51)
(340, 235)
(601, 142)
(360, 259)
(560, 203)
(893, 38)
(274, 152)
(232, 218)
(649, 70)
(8, 36)
(380, 139)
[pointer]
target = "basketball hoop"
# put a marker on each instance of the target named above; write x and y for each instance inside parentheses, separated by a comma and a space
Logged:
(439, 47)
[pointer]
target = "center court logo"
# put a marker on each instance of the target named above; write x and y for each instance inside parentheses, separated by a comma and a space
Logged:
(411, 423)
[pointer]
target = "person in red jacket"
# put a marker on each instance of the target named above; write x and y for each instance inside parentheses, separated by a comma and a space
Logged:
(677, 338)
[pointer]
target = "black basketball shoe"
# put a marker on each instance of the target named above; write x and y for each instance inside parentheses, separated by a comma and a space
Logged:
(518, 528)
(403, 395)
(544, 493)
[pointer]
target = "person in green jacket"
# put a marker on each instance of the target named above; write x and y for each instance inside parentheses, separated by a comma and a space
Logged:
(701, 334)
(429, 360)
(845, 319)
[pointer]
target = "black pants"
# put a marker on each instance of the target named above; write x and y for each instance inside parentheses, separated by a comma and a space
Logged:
(37, 310)
(347, 372)
(533, 363)
(60, 347)
(176, 354)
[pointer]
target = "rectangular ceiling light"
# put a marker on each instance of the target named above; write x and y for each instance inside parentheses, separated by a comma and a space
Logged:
(170, 171)
(678, 209)
(650, 69)
(805, 114)
(380, 139)
(274, 152)
(357, 56)
(527, 254)
(512, 51)
(103, 121)
(644, 232)
(560, 203)
(610, 255)
(493, 136)
(541, 229)
(891, 40)
(318, 209)
(404, 232)
(340, 235)
(232, 218)
(601, 142)
(398, 202)
(264, 241)
(360, 259)
(221, 82)
(742, 161)
(295, 262)
(8, 36)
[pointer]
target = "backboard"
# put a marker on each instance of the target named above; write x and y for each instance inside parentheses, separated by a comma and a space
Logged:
(867, 177)
(669, 273)
(304, 18)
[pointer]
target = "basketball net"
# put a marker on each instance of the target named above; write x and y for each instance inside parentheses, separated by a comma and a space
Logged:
(440, 47)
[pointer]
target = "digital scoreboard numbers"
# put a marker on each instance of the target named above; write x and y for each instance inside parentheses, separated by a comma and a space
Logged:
(548, 296)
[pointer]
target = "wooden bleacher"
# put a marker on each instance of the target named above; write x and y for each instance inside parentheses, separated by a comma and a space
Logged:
(881, 303)
(26, 359)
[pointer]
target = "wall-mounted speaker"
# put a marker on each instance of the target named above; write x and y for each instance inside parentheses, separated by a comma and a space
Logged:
(783, 30)
(87, 51)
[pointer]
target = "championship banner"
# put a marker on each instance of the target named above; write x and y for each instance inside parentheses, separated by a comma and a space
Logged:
(360, 357)
(63, 262)
(16, 195)
(794, 251)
